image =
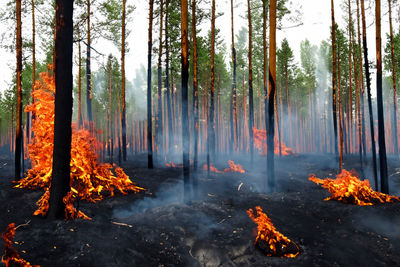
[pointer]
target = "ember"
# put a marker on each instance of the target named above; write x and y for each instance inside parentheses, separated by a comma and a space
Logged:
(348, 188)
(260, 141)
(232, 168)
(11, 256)
(269, 240)
(89, 178)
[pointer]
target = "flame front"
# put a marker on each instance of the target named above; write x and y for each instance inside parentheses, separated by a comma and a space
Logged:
(348, 188)
(272, 242)
(232, 168)
(260, 141)
(11, 256)
(89, 178)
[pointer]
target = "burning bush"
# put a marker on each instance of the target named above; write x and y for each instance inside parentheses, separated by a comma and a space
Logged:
(11, 256)
(268, 239)
(348, 188)
(89, 178)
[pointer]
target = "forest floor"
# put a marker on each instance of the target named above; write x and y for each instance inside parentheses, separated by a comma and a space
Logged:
(158, 230)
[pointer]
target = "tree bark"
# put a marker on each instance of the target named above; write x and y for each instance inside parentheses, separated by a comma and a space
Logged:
(233, 143)
(159, 78)
(394, 113)
(80, 118)
(89, 90)
(334, 114)
(185, 77)
(123, 111)
(18, 130)
(60, 182)
(195, 98)
(251, 105)
(367, 77)
(381, 122)
(271, 95)
(168, 89)
(149, 113)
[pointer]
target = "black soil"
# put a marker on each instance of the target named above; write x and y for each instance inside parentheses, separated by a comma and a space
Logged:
(156, 229)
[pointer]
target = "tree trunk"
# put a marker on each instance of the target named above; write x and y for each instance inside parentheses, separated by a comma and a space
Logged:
(334, 116)
(185, 77)
(271, 95)
(18, 131)
(381, 122)
(60, 182)
(394, 113)
(350, 113)
(341, 121)
(210, 132)
(80, 118)
(123, 111)
(233, 143)
(159, 79)
(170, 134)
(149, 113)
(89, 91)
(367, 77)
(251, 105)
(110, 126)
(195, 98)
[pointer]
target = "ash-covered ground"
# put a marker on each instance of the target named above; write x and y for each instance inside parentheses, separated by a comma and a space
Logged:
(155, 228)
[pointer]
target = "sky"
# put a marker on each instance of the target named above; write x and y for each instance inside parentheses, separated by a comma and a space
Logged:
(316, 20)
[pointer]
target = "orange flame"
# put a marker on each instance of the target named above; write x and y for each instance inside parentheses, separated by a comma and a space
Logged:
(89, 178)
(11, 256)
(272, 242)
(260, 141)
(232, 168)
(172, 165)
(348, 188)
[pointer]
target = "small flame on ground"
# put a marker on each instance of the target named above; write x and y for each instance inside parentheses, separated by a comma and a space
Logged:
(348, 188)
(89, 178)
(272, 242)
(11, 256)
(260, 141)
(172, 165)
(232, 168)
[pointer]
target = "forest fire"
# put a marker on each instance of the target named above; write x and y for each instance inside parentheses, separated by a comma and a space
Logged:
(89, 178)
(172, 165)
(268, 239)
(348, 188)
(11, 256)
(260, 141)
(232, 168)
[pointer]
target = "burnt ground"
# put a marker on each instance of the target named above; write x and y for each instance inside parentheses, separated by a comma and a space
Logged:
(159, 230)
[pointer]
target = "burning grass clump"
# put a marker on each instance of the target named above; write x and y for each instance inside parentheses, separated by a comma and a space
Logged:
(11, 256)
(260, 142)
(348, 188)
(232, 168)
(269, 240)
(90, 180)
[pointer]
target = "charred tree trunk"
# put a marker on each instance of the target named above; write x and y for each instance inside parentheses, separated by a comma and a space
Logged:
(159, 80)
(89, 91)
(233, 143)
(18, 131)
(381, 122)
(123, 111)
(394, 114)
(110, 125)
(149, 113)
(271, 95)
(185, 78)
(367, 77)
(334, 116)
(251, 105)
(60, 182)
(80, 118)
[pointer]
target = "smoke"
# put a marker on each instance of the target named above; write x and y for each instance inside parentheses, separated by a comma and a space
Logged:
(167, 194)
